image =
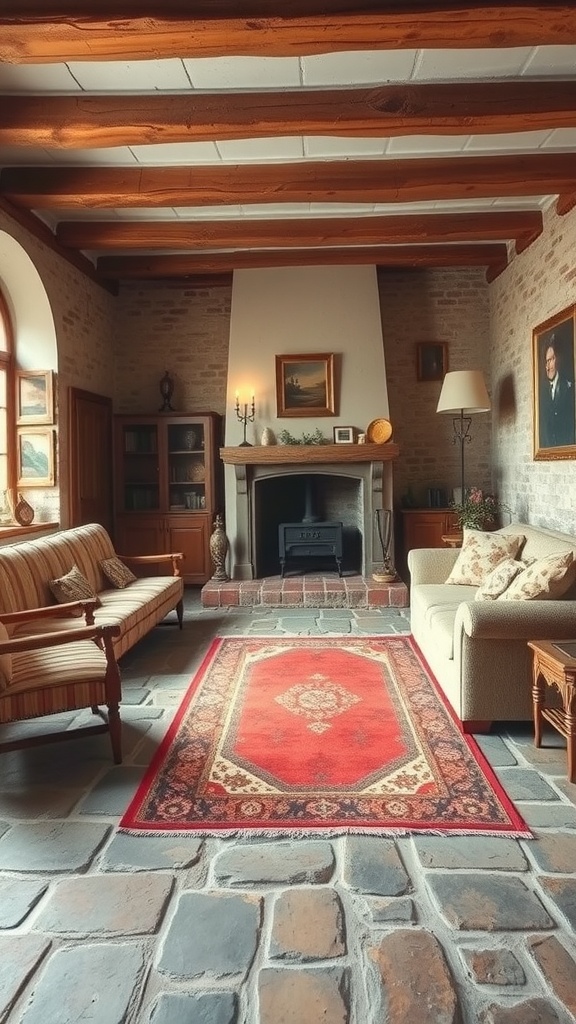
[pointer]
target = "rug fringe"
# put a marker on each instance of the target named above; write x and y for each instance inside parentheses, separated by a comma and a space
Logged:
(325, 833)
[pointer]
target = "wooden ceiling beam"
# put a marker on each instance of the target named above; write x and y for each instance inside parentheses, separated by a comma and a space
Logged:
(355, 181)
(147, 267)
(524, 227)
(80, 121)
(40, 31)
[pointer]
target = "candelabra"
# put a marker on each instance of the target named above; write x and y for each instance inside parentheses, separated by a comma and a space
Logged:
(245, 418)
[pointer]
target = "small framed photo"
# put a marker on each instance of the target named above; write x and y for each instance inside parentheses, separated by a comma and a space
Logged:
(344, 435)
(431, 360)
(35, 457)
(34, 396)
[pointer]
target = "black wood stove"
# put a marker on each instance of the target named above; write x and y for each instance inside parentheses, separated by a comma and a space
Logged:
(310, 541)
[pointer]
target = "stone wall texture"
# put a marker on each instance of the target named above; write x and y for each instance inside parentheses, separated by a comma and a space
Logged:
(539, 283)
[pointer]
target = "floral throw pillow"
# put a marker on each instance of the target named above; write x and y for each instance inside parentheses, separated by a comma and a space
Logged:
(499, 580)
(480, 554)
(546, 579)
(72, 587)
(118, 574)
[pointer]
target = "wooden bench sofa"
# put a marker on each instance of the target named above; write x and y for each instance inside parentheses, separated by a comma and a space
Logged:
(54, 658)
(26, 570)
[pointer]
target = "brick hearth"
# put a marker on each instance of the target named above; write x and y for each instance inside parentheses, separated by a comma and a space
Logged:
(313, 590)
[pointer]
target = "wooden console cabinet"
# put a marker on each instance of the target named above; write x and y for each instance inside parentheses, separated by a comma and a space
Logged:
(425, 527)
(168, 487)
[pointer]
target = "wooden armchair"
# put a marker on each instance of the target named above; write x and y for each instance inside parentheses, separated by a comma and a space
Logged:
(60, 670)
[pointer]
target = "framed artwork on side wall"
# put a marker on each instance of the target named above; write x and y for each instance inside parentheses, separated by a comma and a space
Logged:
(553, 363)
(35, 457)
(305, 385)
(34, 396)
(431, 360)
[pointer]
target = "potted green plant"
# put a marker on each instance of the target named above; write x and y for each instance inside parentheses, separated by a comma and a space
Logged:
(477, 510)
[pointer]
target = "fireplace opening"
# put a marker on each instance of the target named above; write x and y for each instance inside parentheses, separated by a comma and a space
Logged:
(306, 498)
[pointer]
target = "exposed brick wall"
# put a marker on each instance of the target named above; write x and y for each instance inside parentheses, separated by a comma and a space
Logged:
(539, 283)
(176, 328)
(85, 325)
(434, 306)
(121, 346)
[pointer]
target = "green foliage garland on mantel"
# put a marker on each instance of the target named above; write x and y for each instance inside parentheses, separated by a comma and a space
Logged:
(285, 437)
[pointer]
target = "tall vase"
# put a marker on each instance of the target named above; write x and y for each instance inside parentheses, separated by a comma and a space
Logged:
(219, 546)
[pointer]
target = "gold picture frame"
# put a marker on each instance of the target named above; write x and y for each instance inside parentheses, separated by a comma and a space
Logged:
(305, 384)
(35, 454)
(554, 388)
(34, 397)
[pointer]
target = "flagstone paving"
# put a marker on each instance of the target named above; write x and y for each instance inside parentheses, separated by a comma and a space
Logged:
(112, 928)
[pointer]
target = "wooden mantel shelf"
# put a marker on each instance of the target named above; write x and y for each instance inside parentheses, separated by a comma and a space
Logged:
(285, 454)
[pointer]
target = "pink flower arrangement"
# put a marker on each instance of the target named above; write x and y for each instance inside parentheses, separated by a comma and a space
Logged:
(478, 511)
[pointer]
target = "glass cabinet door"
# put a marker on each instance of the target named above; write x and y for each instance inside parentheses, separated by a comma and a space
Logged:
(141, 469)
(186, 467)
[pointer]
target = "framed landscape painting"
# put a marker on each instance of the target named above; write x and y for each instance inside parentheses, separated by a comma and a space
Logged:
(34, 396)
(35, 457)
(554, 365)
(305, 385)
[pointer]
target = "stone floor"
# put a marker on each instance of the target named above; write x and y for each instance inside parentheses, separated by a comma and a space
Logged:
(108, 928)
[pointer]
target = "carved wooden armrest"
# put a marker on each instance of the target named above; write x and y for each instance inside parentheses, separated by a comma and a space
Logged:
(62, 636)
(174, 557)
(53, 611)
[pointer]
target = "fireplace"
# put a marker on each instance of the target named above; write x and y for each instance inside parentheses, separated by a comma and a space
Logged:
(348, 482)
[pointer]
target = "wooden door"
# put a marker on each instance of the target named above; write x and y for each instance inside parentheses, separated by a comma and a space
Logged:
(90, 435)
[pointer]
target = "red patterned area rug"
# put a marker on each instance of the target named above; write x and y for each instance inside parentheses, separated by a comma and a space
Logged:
(309, 735)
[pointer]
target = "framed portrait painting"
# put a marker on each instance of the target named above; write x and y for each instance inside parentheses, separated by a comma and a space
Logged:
(431, 360)
(554, 414)
(305, 385)
(34, 396)
(35, 457)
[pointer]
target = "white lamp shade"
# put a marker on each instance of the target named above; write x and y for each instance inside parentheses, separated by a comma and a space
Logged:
(464, 391)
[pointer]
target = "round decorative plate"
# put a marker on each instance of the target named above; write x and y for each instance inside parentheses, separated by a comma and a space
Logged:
(379, 431)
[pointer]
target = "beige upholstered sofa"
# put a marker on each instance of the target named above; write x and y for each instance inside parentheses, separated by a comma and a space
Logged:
(27, 568)
(478, 650)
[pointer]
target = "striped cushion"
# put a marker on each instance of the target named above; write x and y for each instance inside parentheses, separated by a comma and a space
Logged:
(5, 660)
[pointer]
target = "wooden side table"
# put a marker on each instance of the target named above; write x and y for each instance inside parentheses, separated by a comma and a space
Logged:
(552, 667)
(452, 540)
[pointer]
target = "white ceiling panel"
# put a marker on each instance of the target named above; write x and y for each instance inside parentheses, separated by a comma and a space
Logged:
(369, 67)
(268, 150)
(130, 76)
(45, 78)
(446, 65)
(243, 72)
(177, 153)
(319, 146)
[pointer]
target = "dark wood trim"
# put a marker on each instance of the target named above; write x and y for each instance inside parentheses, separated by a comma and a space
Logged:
(406, 229)
(389, 111)
(33, 31)
(294, 454)
(359, 181)
(124, 267)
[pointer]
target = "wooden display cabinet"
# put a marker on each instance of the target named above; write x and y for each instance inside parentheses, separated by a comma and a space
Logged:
(168, 487)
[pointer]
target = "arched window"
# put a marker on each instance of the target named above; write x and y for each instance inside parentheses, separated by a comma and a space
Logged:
(7, 414)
